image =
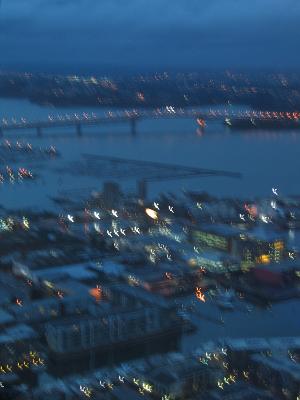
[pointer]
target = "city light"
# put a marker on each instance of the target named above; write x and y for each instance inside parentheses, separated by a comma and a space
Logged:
(151, 213)
(149, 200)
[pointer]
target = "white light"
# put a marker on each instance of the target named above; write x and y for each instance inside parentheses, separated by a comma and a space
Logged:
(97, 227)
(265, 218)
(70, 218)
(97, 215)
(171, 209)
(151, 213)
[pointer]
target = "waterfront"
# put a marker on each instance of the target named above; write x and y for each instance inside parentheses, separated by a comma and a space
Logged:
(149, 201)
(242, 322)
(265, 159)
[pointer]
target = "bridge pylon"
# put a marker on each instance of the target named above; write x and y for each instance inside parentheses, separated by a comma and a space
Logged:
(142, 189)
(79, 130)
(133, 126)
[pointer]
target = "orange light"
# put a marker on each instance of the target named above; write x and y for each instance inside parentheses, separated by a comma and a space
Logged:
(201, 122)
(278, 246)
(19, 302)
(200, 296)
(96, 293)
(192, 262)
(264, 259)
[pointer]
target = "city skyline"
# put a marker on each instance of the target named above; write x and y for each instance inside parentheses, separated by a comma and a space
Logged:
(150, 200)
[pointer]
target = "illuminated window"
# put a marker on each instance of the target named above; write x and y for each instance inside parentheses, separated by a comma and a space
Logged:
(264, 259)
(211, 240)
(278, 246)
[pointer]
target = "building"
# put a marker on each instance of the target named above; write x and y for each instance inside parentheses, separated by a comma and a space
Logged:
(36, 311)
(182, 380)
(277, 373)
(111, 194)
(71, 334)
(257, 246)
(132, 322)
(12, 288)
(217, 262)
(5, 318)
(261, 247)
(240, 350)
(215, 236)
(239, 391)
(286, 272)
(16, 343)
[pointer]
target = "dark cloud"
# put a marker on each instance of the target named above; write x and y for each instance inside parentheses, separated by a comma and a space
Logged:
(151, 32)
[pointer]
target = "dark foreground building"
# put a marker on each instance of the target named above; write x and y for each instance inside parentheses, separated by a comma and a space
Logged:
(132, 323)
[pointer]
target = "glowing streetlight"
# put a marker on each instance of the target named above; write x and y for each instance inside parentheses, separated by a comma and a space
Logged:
(151, 213)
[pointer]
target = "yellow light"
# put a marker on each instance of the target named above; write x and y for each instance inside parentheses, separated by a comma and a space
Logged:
(151, 213)
(246, 266)
(192, 262)
(264, 259)
(49, 284)
(278, 245)
(147, 387)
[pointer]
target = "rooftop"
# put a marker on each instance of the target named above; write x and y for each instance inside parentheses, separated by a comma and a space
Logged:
(248, 344)
(239, 391)
(5, 317)
(221, 229)
(74, 271)
(17, 332)
(283, 266)
(264, 234)
(140, 294)
(280, 364)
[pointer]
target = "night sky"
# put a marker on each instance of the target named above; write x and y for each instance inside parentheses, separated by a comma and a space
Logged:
(47, 34)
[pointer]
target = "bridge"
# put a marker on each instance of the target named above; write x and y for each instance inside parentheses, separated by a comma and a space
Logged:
(131, 117)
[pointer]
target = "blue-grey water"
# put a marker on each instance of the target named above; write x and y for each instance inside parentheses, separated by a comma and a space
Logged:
(278, 321)
(265, 160)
